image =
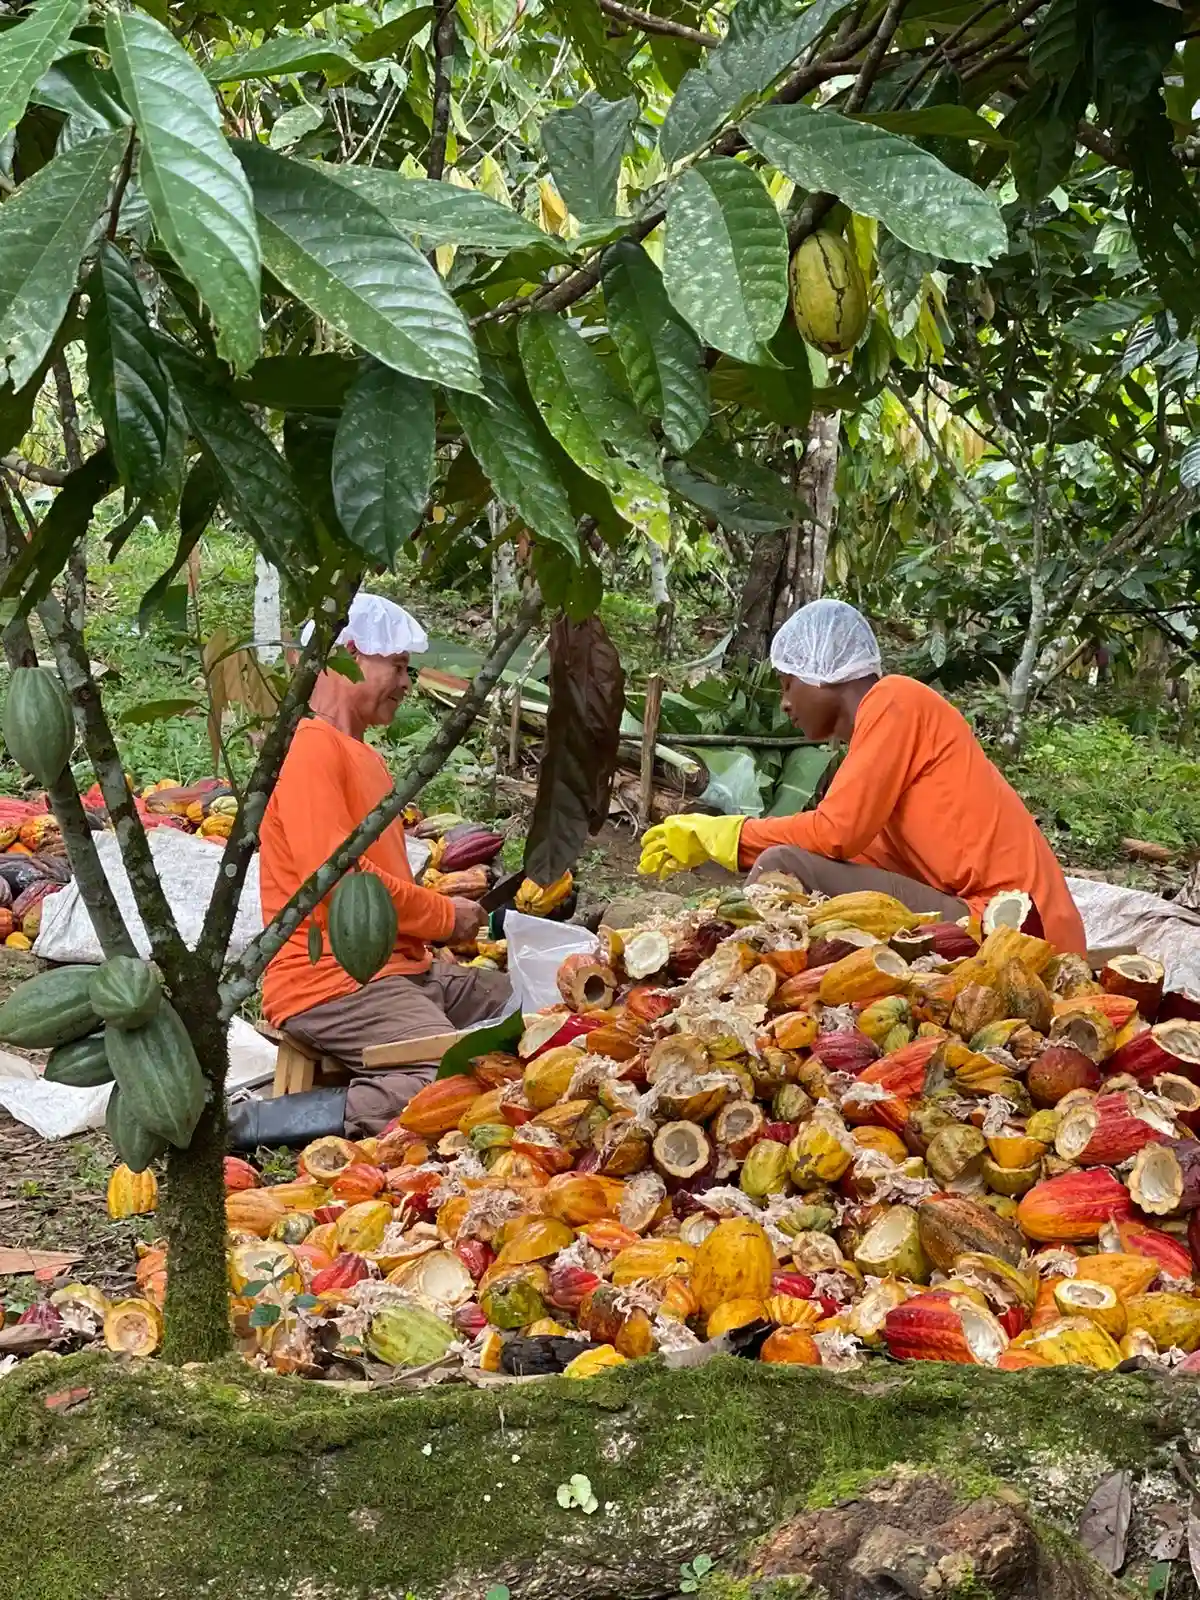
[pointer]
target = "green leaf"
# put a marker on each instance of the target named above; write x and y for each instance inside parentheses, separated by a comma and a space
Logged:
(584, 25)
(129, 385)
(393, 38)
(16, 407)
(442, 213)
(29, 49)
(200, 497)
(911, 192)
(1105, 317)
(726, 259)
(944, 122)
(499, 1036)
(265, 1315)
(347, 261)
(662, 358)
(40, 562)
(803, 770)
(580, 404)
(764, 39)
(277, 57)
(585, 143)
(159, 711)
(256, 483)
(512, 448)
(383, 461)
(736, 491)
(198, 195)
(1189, 466)
(291, 127)
(45, 230)
(83, 92)
(299, 383)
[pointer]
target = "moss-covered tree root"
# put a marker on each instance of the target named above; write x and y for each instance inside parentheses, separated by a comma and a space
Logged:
(218, 1481)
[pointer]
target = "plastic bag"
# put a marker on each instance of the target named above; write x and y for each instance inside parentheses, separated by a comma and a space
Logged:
(536, 950)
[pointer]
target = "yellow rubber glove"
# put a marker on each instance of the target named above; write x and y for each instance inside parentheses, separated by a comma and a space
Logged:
(682, 842)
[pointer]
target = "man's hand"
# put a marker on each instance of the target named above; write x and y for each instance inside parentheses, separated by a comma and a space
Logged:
(469, 918)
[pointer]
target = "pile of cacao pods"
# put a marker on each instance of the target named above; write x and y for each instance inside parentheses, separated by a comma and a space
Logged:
(33, 864)
(829, 1131)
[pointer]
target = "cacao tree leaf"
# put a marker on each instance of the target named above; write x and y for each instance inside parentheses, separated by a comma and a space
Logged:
(16, 407)
(916, 196)
(442, 213)
(299, 383)
(1189, 465)
(1104, 1524)
(383, 461)
(45, 230)
(579, 758)
(40, 562)
(503, 1035)
(584, 144)
(941, 121)
(257, 486)
(765, 37)
(726, 258)
(197, 193)
(277, 57)
(584, 25)
(662, 358)
(344, 258)
(308, 447)
(28, 50)
(511, 445)
(129, 384)
(83, 92)
(159, 711)
(394, 37)
(200, 498)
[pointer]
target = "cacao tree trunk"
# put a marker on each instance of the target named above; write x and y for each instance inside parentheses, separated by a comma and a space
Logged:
(268, 616)
(787, 569)
(197, 1306)
(504, 566)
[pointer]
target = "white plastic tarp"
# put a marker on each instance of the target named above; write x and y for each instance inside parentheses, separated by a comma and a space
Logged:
(1114, 915)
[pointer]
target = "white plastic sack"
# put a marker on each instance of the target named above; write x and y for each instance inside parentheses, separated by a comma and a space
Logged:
(536, 950)
(55, 1111)
(188, 868)
(1116, 915)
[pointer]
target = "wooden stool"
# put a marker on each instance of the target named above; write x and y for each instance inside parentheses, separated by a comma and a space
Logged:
(297, 1066)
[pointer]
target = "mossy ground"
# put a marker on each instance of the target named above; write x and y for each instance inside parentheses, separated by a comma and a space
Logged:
(222, 1482)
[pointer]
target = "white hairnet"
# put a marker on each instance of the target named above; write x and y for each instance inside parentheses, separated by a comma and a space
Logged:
(378, 627)
(826, 641)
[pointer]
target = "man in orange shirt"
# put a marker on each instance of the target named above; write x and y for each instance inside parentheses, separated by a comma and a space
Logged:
(916, 809)
(330, 780)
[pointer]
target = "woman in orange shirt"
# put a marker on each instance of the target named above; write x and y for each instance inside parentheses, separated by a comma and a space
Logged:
(916, 809)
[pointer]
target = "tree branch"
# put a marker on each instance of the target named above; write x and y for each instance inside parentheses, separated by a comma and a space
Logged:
(940, 50)
(873, 60)
(74, 669)
(123, 178)
(52, 476)
(75, 578)
(97, 892)
(646, 23)
(243, 841)
(444, 41)
(242, 976)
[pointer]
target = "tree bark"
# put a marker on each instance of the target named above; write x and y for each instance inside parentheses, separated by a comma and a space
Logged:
(787, 569)
(268, 615)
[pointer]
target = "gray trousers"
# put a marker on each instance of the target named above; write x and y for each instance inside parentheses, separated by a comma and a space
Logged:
(823, 875)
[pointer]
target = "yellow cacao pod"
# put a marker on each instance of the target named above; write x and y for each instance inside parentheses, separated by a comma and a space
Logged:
(829, 294)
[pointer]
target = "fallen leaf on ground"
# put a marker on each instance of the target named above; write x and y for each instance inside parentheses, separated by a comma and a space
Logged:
(23, 1262)
(1104, 1525)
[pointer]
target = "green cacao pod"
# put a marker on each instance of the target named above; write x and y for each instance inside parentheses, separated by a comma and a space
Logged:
(829, 293)
(408, 1336)
(38, 728)
(82, 1064)
(316, 942)
(126, 992)
(362, 925)
(49, 1010)
(136, 1146)
(159, 1075)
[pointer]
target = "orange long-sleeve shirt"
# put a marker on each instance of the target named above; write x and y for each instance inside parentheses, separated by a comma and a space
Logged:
(328, 784)
(917, 795)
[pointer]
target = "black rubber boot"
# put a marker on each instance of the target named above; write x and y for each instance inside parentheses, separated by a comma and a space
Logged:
(292, 1119)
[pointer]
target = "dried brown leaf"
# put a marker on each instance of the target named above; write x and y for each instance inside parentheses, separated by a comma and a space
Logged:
(1104, 1525)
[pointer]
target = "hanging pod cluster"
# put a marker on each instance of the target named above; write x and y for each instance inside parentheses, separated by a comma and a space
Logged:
(111, 1024)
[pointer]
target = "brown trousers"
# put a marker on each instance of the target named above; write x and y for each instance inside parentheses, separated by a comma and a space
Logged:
(441, 1000)
(823, 875)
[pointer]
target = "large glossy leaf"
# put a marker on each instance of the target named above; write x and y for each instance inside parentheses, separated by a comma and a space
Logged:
(277, 57)
(37, 568)
(28, 50)
(442, 213)
(197, 193)
(45, 230)
(347, 261)
(83, 92)
(765, 37)
(1189, 466)
(511, 446)
(726, 260)
(129, 384)
(394, 37)
(585, 143)
(257, 486)
(737, 492)
(940, 121)
(383, 461)
(579, 760)
(662, 357)
(299, 383)
(911, 192)
(200, 498)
